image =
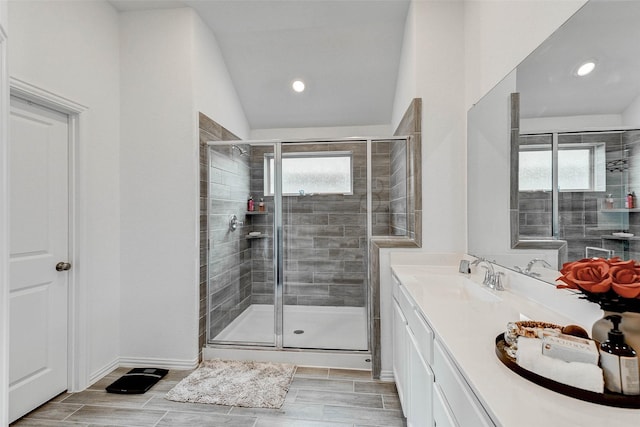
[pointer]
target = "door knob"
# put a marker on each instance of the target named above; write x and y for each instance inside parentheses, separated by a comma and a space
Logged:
(63, 266)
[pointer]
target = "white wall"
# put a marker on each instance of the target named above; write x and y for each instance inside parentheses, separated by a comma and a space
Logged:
(321, 132)
(70, 48)
(159, 251)
(213, 90)
(440, 77)
(167, 74)
(432, 68)
(407, 79)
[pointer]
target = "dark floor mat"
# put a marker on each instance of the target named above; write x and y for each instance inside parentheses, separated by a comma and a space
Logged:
(137, 381)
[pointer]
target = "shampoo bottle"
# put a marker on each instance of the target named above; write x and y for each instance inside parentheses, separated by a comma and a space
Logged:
(609, 202)
(619, 362)
(250, 204)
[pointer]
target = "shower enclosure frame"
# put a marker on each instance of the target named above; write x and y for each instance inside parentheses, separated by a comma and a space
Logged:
(278, 242)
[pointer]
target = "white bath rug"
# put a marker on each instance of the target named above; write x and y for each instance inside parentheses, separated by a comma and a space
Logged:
(235, 383)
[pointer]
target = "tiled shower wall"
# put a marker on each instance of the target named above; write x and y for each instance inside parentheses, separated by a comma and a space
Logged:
(380, 188)
(230, 255)
(398, 188)
(582, 220)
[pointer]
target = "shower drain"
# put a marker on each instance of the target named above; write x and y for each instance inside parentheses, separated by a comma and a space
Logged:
(298, 331)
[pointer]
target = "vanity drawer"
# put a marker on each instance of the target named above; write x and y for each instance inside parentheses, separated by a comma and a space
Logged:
(417, 324)
(424, 335)
(456, 392)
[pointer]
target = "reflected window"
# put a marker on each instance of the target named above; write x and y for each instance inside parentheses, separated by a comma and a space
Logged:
(311, 173)
(581, 167)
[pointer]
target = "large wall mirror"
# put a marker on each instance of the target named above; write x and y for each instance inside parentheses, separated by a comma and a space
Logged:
(554, 149)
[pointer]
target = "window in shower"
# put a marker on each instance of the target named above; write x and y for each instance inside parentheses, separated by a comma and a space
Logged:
(312, 173)
(581, 167)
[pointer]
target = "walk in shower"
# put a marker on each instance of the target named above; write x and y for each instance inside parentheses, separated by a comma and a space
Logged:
(291, 271)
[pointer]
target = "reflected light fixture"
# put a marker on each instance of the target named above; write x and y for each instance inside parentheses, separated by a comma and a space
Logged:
(585, 68)
(298, 85)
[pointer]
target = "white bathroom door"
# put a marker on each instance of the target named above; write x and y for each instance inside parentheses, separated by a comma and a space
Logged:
(39, 241)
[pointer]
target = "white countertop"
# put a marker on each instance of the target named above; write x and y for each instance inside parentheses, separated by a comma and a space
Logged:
(466, 320)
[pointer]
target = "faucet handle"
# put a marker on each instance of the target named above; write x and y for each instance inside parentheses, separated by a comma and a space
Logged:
(489, 276)
(497, 284)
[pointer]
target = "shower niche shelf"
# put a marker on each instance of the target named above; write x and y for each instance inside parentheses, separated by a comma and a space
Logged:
(257, 236)
(621, 210)
(257, 212)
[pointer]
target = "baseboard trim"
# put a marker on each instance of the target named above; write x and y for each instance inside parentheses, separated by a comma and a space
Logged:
(140, 362)
(387, 376)
(104, 371)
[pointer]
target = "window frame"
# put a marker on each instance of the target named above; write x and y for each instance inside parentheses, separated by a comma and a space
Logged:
(268, 172)
(592, 147)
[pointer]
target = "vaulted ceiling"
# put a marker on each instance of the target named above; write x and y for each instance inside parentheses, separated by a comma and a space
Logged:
(346, 51)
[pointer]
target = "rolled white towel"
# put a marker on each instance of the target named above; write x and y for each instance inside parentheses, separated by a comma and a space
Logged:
(576, 374)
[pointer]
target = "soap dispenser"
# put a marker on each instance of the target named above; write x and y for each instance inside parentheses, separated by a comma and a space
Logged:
(619, 362)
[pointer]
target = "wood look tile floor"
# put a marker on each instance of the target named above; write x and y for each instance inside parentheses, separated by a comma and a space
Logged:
(318, 397)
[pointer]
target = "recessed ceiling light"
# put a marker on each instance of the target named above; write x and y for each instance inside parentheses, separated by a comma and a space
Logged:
(585, 68)
(298, 85)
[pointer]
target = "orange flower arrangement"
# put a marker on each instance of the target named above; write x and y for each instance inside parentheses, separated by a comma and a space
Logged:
(612, 283)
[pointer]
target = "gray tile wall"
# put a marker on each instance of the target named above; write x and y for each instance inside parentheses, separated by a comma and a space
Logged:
(230, 255)
(381, 188)
(398, 190)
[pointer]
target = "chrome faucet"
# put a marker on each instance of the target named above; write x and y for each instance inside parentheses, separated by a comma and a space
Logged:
(527, 271)
(536, 261)
(492, 278)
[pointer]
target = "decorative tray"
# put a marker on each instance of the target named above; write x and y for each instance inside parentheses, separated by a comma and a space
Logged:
(606, 398)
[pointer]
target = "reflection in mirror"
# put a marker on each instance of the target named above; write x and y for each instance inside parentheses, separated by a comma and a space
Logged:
(580, 131)
(596, 173)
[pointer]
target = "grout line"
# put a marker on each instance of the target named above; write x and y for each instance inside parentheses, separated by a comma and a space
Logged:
(67, 417)
(160, 419)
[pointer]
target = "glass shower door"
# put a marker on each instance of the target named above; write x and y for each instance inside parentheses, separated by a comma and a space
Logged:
(241, 282)
(324, 217)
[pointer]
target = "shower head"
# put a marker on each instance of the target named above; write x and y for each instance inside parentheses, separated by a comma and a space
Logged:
(242, 151)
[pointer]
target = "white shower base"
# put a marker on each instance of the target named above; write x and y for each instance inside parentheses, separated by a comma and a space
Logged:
(334, 328)
(325, 328)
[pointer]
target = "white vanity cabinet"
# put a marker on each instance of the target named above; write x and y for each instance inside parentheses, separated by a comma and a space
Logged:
(432, 390)
(412, 355)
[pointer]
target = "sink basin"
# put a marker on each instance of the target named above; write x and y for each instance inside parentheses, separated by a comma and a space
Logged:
(473, 290)
(457, 287)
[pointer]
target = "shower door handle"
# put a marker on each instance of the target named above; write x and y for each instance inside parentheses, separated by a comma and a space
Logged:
(63, 266)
